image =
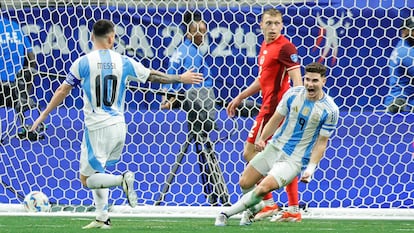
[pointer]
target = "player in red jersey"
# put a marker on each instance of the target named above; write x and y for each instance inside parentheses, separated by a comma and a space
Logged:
(278, 65)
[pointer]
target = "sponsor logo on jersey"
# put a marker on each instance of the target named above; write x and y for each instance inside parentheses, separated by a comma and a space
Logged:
(305, 111)
(283, 181)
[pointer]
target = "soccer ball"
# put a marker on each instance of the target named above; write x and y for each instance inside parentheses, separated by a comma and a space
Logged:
(36, 201)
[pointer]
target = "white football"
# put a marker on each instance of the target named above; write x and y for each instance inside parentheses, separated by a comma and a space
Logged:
(36, 201)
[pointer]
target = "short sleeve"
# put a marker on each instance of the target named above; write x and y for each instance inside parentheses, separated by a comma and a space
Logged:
(284, 104)
(289, 56)
(135, 69)
(330, 122)
(73, 77)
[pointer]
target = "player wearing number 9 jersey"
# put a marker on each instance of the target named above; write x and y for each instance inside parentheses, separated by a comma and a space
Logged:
(309, 118)
(103, 75)
(278, 67)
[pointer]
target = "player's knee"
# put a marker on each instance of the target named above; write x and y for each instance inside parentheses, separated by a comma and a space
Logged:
(244, 183)
(263, 188)
(249, 151)
(83, 180)
(248, 155)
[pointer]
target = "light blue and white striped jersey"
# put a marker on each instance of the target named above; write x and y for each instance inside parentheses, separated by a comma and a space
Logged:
(103, 76)
(305, 120)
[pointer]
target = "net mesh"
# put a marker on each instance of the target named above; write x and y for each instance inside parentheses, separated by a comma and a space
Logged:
(369, 160)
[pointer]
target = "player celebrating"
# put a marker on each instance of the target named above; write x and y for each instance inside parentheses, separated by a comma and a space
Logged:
(103, 75)
(278, 60)
(309, 118)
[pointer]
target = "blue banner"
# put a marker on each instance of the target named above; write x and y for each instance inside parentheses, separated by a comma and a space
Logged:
(354, 42)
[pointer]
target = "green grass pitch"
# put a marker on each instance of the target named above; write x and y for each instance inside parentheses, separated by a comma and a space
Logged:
(46, 224)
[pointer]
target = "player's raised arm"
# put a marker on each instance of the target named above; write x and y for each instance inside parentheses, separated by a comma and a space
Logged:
(188, 77)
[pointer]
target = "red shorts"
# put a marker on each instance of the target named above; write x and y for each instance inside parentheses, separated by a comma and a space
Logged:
(257, 128)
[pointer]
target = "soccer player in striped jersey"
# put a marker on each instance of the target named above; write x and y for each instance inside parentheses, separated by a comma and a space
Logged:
(309, 118)
(278, 65)
(103, 75)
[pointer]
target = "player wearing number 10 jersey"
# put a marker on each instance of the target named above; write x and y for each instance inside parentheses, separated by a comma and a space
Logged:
(103, 75)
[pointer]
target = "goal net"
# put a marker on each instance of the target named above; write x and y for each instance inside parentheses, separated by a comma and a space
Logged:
(368, 166)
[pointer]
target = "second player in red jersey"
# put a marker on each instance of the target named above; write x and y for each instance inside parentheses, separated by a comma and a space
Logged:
(276, 60)
(278, 67)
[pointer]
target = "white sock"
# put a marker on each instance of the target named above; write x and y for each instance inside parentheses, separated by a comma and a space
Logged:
(100, 197)
(246, 201)
(269, 202)
(102, 180)
(258, 207)
(293, 208)
(244, 191)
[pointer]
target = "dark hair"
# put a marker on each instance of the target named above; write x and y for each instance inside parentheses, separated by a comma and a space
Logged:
(102, 27)
(316, 67)
(189, 18)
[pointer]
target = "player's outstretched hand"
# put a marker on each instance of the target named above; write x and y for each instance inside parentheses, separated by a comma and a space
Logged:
(38, 121)
(260, 145)
(307, 174)
(190, 77)
(306, 178)
(232, 106)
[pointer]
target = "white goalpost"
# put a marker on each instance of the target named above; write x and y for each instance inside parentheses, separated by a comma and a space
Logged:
(367, 171)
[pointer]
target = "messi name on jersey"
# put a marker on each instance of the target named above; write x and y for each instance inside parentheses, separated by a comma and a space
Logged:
(106, 65)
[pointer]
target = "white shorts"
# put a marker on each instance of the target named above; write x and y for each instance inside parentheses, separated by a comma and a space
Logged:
(276, 163)
(101, 147)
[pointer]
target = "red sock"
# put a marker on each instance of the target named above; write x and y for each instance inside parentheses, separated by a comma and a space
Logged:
(292, 192)
(268, 196)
